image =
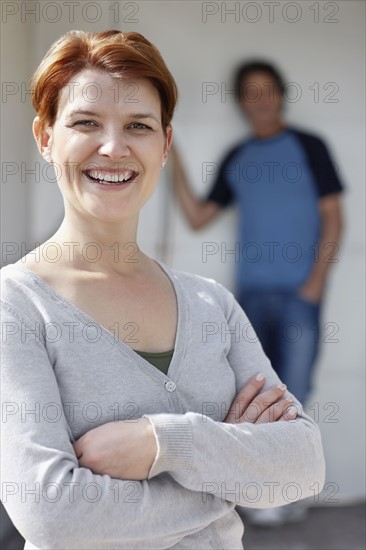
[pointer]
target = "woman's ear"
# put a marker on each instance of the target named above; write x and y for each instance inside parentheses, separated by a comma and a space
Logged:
(168, 141)
(44, 140)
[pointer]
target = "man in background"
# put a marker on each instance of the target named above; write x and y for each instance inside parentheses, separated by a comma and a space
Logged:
(288, 193)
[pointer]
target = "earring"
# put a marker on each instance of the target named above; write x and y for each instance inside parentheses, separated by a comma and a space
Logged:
(163, 164)
(47, 156)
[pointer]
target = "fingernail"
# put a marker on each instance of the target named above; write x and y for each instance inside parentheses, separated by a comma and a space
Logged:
(282, 387)
(292, 411)
(259, 376)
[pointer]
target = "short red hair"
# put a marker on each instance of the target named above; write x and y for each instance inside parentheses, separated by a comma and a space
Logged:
(121, 54)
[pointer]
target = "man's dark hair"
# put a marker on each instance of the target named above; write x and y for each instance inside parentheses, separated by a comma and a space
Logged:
(252, 66)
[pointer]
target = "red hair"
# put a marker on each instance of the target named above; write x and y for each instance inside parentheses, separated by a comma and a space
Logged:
(121, 54)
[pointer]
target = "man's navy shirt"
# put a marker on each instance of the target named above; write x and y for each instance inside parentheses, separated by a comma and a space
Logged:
(277, 183)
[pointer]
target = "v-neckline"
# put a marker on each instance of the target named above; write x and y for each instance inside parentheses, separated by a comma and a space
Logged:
(146, 366)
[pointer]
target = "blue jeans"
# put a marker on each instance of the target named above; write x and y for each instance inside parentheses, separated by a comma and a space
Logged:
(288, 328)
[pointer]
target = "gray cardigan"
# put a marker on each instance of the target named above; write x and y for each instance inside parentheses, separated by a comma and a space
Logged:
(63, 374)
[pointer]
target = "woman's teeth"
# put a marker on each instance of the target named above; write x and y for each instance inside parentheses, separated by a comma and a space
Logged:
(110, 179)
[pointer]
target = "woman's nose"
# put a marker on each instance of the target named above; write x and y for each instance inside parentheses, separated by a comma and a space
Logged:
(114, 145)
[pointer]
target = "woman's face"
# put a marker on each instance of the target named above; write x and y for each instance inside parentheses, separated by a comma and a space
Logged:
(107, 144)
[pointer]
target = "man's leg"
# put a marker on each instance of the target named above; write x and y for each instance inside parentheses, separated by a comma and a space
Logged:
(258, 306)
(297, 338)
(298, 343)
(288, 327)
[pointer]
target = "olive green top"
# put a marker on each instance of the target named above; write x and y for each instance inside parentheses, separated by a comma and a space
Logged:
(160, 359)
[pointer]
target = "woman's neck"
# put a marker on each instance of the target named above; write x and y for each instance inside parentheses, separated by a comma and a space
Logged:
(99, 247)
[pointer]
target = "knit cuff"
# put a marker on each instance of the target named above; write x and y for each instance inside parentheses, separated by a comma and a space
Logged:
(174, 438)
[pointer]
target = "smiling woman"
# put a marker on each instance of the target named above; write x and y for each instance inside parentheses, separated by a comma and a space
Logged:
(109, 157)
(133, 416)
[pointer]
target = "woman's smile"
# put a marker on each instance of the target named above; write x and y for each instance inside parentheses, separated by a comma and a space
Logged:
(111, 179)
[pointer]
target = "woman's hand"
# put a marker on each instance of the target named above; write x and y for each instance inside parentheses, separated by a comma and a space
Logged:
(248, 407)
(127, 449)
(124, 449)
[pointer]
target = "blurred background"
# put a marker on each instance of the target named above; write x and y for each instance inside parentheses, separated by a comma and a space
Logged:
(320, 48)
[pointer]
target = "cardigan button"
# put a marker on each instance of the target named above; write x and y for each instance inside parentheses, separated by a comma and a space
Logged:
(170, 386)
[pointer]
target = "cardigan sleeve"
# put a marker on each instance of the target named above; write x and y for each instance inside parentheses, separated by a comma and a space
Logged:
(253, 465)
(52, 501)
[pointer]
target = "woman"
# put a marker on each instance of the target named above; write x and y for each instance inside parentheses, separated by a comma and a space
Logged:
(133, 414)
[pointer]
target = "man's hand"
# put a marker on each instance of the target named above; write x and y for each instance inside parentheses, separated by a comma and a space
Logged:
(312, 290)
(124, 449)
(269, 406)
(330, 210)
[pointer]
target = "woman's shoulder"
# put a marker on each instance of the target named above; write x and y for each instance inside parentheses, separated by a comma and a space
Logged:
(31, 267)
(20, 285)
(193, 283)
(12, 273)
(20, 271)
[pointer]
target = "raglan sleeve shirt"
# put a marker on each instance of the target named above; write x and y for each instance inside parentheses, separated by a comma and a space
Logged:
(228, 460)
(325, 171)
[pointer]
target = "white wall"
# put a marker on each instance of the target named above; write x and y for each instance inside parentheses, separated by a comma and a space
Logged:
(199, 52)
(16, 118)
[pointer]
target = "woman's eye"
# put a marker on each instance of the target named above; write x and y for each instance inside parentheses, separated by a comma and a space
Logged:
(139, 126)
(85, 123)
